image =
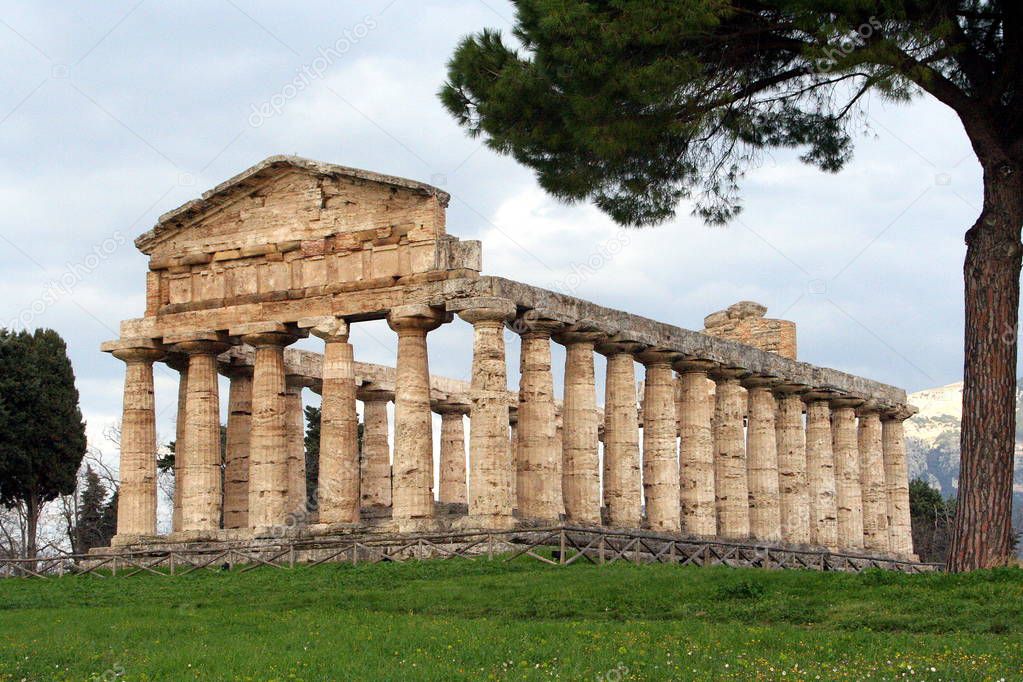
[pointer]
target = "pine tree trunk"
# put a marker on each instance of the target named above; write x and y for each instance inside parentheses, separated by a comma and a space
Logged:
(982, 530)
(32, 527)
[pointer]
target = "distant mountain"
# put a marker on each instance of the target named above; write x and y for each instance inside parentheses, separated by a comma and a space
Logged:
(932, 439)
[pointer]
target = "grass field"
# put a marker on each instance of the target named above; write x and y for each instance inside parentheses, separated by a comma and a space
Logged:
(483, 620)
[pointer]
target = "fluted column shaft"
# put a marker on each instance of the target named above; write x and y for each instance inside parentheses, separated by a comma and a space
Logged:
(660, 426)
(893, 439)
(820, 467)
(872, 484)
(491, 455)
(696, 450)
(539, 462)
(136, 503)
(337, 484)
(295, 435)
(412, 491)
(793, 488)
(622, 487)
(730, 469)
(268, 441)
(180, 364)
(847, 475)
(580, 446)
(453, 488)
(236, 455)
(202, 494)
(762, 462)
(376, 450)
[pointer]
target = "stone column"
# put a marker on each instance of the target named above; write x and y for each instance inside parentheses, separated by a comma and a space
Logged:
(623, 494)
(762, 460)
(268, 441)
(660, 456)
(793, 490)
(731, 483)
(136, 505)
(696, 449)
(453, 488)
(376, 449)
(298, 495)
(179, 362)
(896, 470)
(412, 491)
(820, 468)
(580, 447)
(538, 466)
(513, 449)
(847, 473)
(202, 494)
(491, 496)
(236, 455)
(872, 483)
(338, 494)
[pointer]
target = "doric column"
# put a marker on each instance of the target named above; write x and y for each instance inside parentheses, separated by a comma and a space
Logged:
(376, 448)
(793, 490)
(847, 473)
(623, 494)
(513, 448)
(179, 362)
(491, 458)
(337, 484)
(820, 468)
(268, 441)
(201, 494)
(453, 488)
(762, 460)
(696, 448)
(412, 491)
(896, 470)
(731, 484)
(872, 482)
(660, 456)
(538, 466)
(298, 495)
(580, 477)
(236, 449)
(136, 502)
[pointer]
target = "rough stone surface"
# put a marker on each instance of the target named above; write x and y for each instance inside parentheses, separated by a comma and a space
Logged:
(896, 470)
(731, 485)
(872, 484)
(622, 487)
(376, 450)
(847, 476)
(201, 491)
(338, 483)
(793, 489)
(762, 465)
(453, 484)
(696, 451)
(820, 467)
(660, 463)
(236, 455)
(581, 473)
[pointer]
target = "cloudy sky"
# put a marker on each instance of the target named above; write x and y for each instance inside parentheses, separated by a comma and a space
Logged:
(113, 113)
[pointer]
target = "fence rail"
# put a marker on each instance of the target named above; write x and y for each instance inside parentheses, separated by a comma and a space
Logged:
(555, 546)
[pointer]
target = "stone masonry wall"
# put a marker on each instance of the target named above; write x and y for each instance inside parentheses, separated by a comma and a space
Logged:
(745, 323)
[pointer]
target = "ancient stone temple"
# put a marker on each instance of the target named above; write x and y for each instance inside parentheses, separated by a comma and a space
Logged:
(726, 435)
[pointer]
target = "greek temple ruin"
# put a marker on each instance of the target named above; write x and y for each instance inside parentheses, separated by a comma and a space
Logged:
(726, 436)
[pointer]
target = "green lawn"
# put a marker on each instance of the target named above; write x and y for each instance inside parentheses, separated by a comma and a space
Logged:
(458, 619)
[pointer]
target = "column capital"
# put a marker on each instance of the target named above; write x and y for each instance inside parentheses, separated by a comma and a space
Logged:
(760, 381)
(233, 370)
(484, 309)
(329, 327)
(585, 331)
(135, 350)
(294, 382)
(869, 407)
(451, 407)
(619, 344)
(846, 401)
(205, 343)
(729, 374)
(786, 390)
(416, 317)
(898, 413)
(691, 365)
(651, 357)
(536, 323)
(374, 395)
(819, 395)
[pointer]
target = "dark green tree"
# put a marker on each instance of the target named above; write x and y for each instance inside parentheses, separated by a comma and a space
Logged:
(91, 525)
(637, 105)
(312, 454)
(43, 439)
(931, 518)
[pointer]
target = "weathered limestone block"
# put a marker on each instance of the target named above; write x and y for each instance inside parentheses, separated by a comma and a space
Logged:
(793, 488)
(847, 474)
(338, 493)
(696, 449)
(136, 507)
(539, 460)
(730, 470)
(762, 461)
(236, 455)
(622, 482)
(581, 448)
(376, 449)
(412, 491)
(297, 504)
(745, 322)
(268, 441)
(491, 456)
(820, 467)
(453, 487)
(660, 463)
(872, 483)
(201, 496)
(896, 470)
